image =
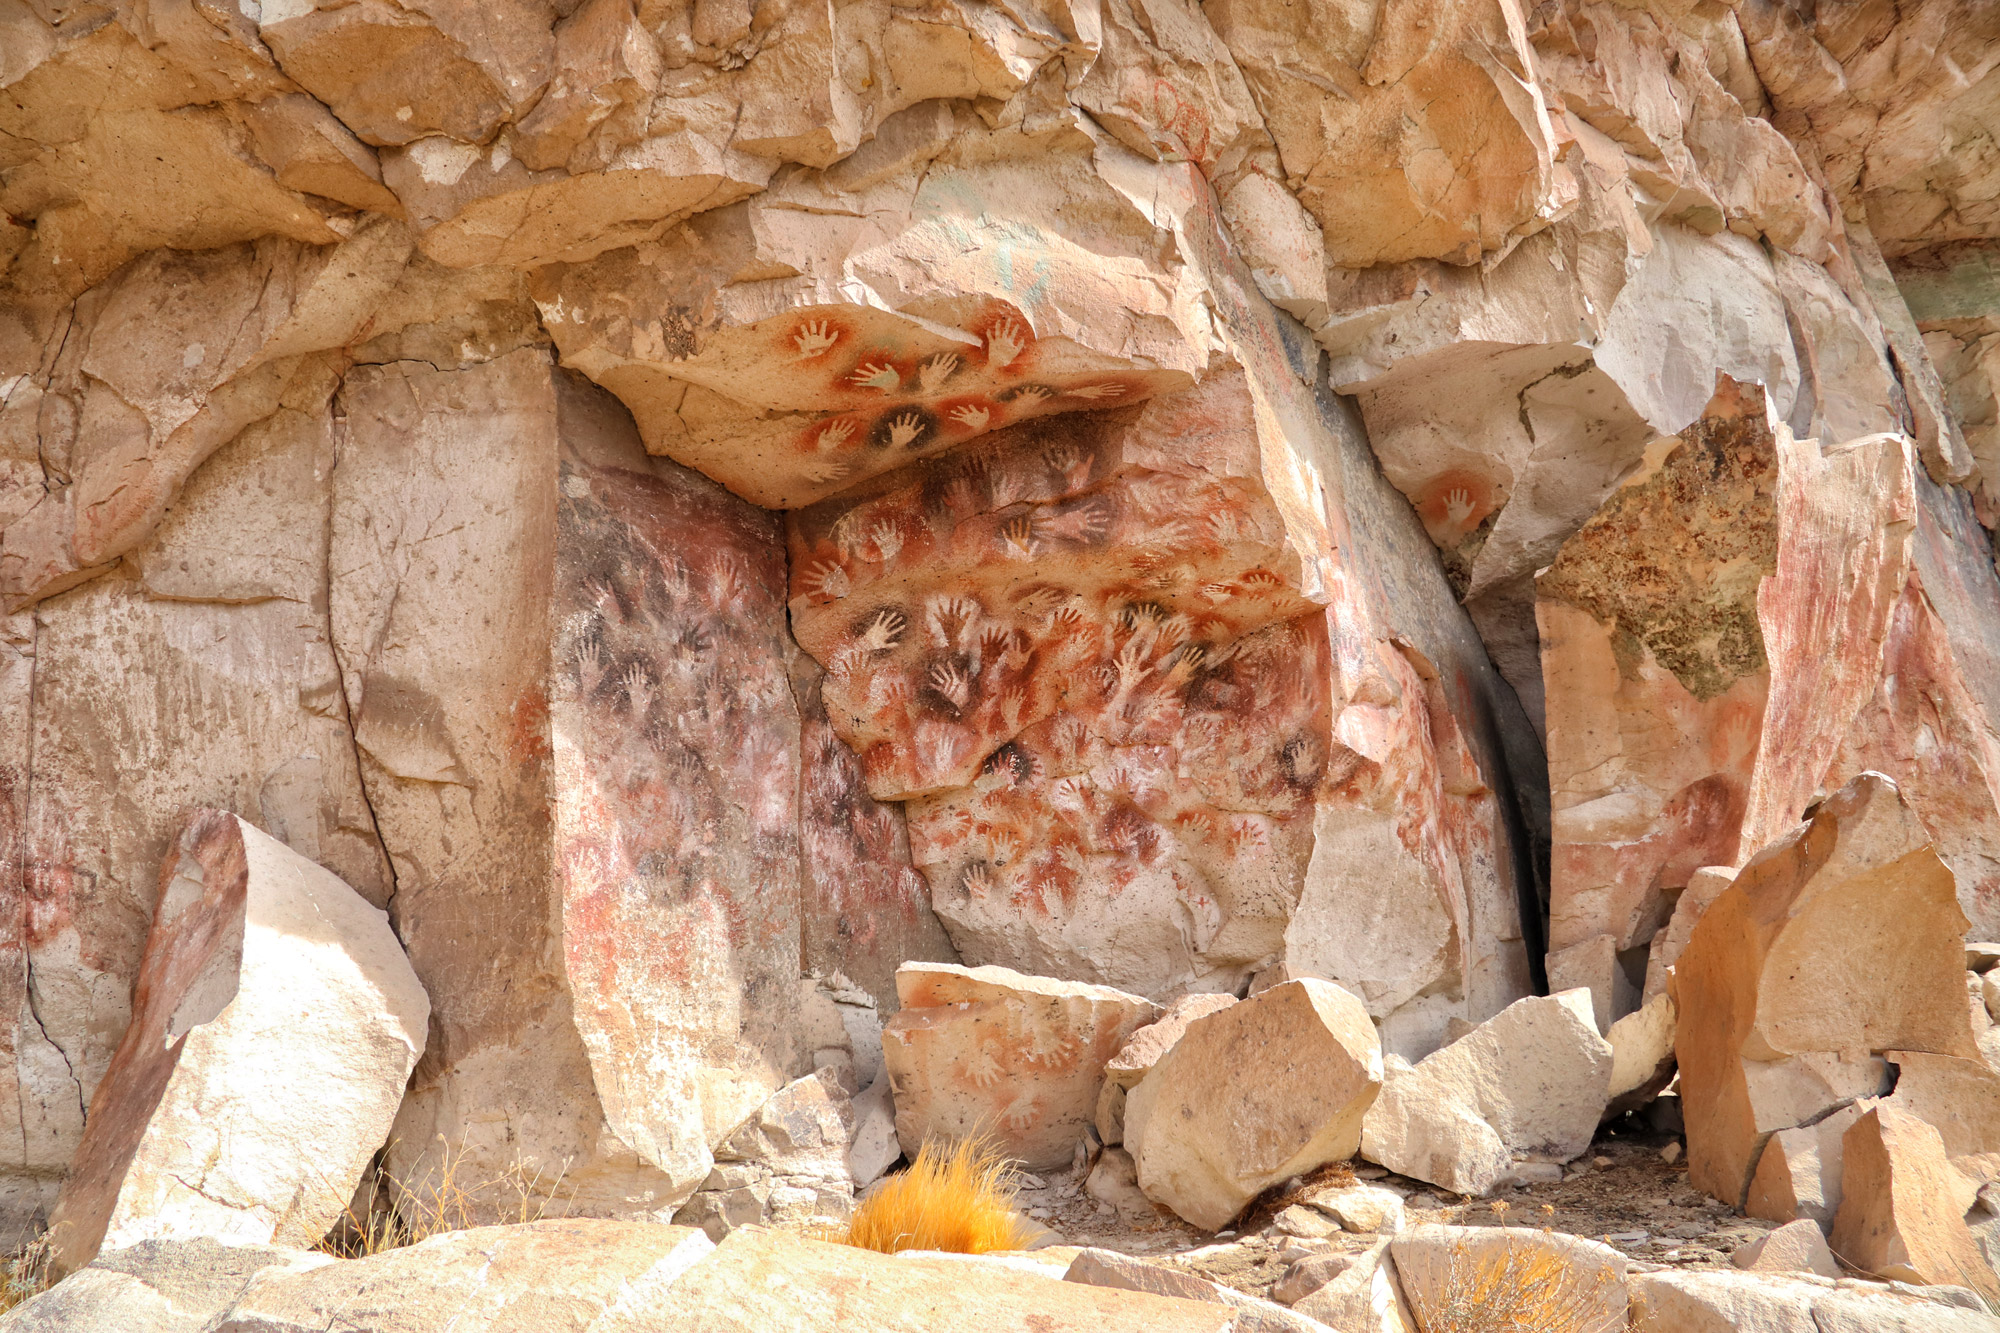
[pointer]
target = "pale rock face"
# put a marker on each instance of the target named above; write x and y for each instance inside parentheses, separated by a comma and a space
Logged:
(1531, 1082)
(1798, 1173)
(1719, 1301)
(274, 1025)
(1253, 1094)
(790, 1159)
(987, 1049)
(1842, 941)
(1712, 675)
(1899, 1216)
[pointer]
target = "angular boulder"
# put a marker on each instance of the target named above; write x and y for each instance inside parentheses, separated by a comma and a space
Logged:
(1796, 1247)
(275, 1024)
(155, 1286)
(787, 1163)
(1532, 1081)
(1141, 1053)
(1251, 1095)
(1521, 1273)
(1642, 1055)
(1839, 942)
(988, 1050)
(1900, 1211)
(1720, 1301)
(1364, 1296)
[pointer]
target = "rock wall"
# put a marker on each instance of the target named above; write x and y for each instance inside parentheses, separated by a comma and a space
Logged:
(675, 501)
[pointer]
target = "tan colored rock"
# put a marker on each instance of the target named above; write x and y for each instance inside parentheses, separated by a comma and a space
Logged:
(1431, 1260)
(1251, 1095)
(1642, 1055)
(1363, 1209)
(566, 1276)
(1108, 1268)
(1364, 1296)
(784, 1284)
(1530, 1082)
(275, 1023)
(1798, 1173)
(1720, 1301)
(1796, 1247)
(155, 1286)
(165, 364)
(1841, 941)
(1704, 886)
(1898, 1216)
(1960, 1098)
(990, 1050)
(1150, 1044)
(1114, 1183)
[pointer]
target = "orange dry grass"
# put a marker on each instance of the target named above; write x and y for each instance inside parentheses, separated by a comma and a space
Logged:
(959, 1199)
(1532, 1290)
(26, 1273)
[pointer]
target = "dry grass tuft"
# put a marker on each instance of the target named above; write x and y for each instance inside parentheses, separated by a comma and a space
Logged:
(389, 1212)
(1257, 1214)
(26, 1273)
(959, 1199)
(1532, 1289)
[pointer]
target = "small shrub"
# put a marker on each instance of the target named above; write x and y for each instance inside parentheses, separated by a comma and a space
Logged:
(1530, 1288)
(959, 1199)
(25, 1273)
(391, 1211)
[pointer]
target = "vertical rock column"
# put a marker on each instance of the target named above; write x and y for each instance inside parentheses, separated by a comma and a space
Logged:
(566, 668)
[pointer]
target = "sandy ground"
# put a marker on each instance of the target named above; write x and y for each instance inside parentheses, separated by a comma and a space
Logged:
(1624, 1192)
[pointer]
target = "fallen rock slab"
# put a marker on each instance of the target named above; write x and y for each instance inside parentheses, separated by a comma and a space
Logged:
(1251, 1095)
(563, 1276)
(1532, 1081)
(1798, 1173)
(1900, 1211)
(1362, 1209)
(275, 1023)
(1836, 943)
(1796, 1247)
(991, 1050)
(761, 1281)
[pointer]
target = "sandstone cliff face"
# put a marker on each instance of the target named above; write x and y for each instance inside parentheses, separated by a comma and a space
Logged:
(670, 499)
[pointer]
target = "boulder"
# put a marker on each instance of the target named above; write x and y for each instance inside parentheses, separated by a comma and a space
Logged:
(1900, 1212)
(1720, 1301)
(1798, 1173)
(1150, 1044)
(1114, 1183)
(1520, 1273)
(1253, 1094)
(155, 1286)
(275, 1024)
(787, 1163)
(990, 1050)
(1108, 1268)
(1704, 886)
(1642, 1055)
(1308, 1275)
(1363, 1209)
(561, 1276)
(1796, 1247)
(1841, 941)
(1530, 1082)
(1365, 1296)
(875, 1147)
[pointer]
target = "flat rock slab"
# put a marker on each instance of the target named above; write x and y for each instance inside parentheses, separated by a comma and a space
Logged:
(1726, 1302)
(563, 1276)
(770, 1282)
